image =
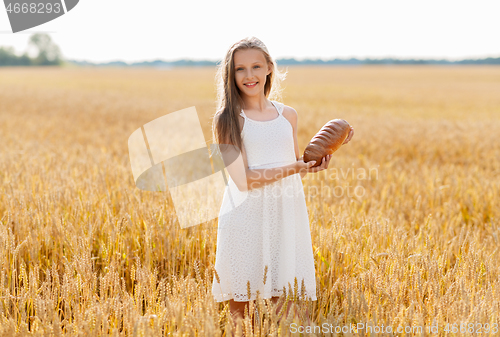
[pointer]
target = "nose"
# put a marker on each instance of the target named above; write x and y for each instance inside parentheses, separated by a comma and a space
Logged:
(249, 74)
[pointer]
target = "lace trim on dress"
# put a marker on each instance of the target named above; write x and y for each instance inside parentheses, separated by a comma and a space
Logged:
(253, 296)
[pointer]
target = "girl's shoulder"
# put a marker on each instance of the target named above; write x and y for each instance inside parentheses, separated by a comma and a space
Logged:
(284, 108)
(289, 113)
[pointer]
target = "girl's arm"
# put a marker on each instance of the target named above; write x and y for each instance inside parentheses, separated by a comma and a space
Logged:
(247, 179)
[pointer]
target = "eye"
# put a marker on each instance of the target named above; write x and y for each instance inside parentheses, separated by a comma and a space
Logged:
(242, 68)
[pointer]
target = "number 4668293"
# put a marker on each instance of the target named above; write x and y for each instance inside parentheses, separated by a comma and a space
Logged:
(33, 7)
(471, 328)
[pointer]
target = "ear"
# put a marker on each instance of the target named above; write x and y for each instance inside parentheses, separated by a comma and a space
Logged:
(269, 68)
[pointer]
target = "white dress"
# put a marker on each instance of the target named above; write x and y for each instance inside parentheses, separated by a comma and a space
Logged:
(270, 227)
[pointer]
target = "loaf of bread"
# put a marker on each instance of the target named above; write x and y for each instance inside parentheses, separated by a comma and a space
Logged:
(328, 140)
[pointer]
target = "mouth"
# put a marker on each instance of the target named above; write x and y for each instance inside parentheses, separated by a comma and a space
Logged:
(251, 84)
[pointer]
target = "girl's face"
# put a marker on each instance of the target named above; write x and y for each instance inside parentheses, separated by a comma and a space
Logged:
(250, 71)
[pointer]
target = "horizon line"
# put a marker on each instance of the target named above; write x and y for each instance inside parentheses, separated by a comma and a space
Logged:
(303, 59)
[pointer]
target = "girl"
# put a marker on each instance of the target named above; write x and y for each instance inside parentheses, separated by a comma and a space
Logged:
(269, 230)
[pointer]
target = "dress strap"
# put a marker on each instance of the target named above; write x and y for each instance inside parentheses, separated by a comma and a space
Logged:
(279, 106)
(242, 113)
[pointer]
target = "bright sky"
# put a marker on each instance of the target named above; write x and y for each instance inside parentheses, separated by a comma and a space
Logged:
(132, 30)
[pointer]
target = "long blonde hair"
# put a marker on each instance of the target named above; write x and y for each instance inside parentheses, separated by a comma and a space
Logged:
(225, 123)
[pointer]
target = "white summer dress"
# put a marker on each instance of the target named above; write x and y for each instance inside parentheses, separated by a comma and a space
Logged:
(270, 227)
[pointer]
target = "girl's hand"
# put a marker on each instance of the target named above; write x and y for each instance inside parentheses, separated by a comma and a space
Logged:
(351, 133)
(306, 167)
(325, 161)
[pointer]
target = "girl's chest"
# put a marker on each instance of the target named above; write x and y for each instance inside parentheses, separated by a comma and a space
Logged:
(271, 136)
(279, 128)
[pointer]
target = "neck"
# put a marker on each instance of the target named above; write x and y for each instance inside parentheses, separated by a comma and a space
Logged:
(255, 103)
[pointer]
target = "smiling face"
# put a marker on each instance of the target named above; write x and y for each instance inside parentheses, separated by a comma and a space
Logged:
(250, 71)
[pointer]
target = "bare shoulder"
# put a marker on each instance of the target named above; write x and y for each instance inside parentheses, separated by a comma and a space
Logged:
(290, 114)
(288, 110)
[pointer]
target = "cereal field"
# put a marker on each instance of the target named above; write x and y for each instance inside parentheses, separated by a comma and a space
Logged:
(405, 223)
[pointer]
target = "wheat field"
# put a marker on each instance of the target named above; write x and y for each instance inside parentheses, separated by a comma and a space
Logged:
(404, 223)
